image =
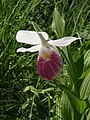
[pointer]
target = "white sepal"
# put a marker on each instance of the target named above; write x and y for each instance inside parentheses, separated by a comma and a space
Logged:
(63, 41)
(32, 49)
(30, 37)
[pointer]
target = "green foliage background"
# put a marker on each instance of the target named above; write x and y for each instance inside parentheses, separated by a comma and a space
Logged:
(24, 95)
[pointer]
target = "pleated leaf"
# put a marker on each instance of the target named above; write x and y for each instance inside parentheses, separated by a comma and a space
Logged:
(87, 59)
(76, 103)
(85, 87)
(58, 23)
(66, 108)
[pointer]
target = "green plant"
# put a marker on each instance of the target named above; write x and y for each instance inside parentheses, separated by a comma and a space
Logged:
(24, 95)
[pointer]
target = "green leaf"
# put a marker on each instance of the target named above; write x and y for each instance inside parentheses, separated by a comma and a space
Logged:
(85, 34)
(66, 107)
(36, 27)
(32, 89)
(88, 116)
(58, 23)
(76, 103)
(79, 65)
(87, 59)
(25, 104)
(85, 87)
(85, 73)
(58, 108)
(46, 90)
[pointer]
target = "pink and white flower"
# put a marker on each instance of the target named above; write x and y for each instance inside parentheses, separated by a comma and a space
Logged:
(49, 62)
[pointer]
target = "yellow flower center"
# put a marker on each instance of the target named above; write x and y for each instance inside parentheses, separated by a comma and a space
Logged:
(46, 50)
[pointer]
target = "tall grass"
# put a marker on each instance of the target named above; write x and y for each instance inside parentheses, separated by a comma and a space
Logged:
(24, 95)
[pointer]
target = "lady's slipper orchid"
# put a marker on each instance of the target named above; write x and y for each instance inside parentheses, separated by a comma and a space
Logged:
(49, 59)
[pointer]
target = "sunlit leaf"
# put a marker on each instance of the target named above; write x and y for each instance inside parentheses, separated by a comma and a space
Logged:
(46, 90)
(85, 87)
(58, 107)
(32, 89)
(87, 59)
(36, 27)
(25, 104)
(58, 23)
(88, 116)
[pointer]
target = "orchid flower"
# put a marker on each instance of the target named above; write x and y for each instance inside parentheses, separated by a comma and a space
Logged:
(49, 62)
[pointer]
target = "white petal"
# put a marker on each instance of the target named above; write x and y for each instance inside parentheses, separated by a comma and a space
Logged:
(30, 37)
(63, 41)
(32, 49)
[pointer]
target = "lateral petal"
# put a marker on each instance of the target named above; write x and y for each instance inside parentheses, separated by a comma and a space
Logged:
(30, 37)
(63, 41)
(32, 49)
